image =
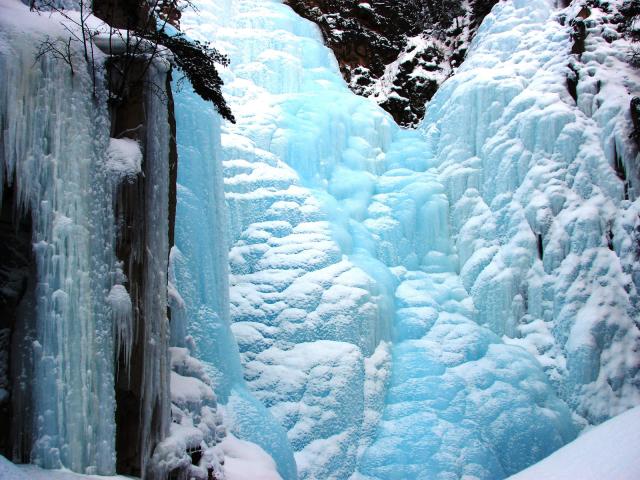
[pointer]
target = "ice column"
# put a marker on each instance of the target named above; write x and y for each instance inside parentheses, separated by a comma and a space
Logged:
(200, 265)
(54, 138)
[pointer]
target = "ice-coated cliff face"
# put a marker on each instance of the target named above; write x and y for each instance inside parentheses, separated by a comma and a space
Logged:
(383, 282)
(54, 137)
(201, 275)
(88, 354)
(532, 165)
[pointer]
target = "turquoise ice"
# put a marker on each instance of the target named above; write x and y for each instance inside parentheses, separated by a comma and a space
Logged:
(391, 314)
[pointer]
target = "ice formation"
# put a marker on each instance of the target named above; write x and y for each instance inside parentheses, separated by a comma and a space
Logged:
(199, 264)
(55, 136)
(530, 166)
(64, 171)
(348, 299)
(383, 282)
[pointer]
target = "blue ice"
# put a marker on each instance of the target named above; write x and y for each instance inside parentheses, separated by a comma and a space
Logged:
(377, 276)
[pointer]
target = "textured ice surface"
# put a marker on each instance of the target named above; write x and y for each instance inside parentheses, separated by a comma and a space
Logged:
(200, 272)
(65, 171)
(384, 282)
(523, 165)
(54, 139)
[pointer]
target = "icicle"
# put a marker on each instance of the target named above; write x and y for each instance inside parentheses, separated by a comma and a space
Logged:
(54, 139)
(121, 308)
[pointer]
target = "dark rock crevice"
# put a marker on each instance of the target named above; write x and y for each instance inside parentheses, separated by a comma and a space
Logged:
(397, 40)
(17, 297)
(132, 214)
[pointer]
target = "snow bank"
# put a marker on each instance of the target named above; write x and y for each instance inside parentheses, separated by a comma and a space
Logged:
(9, 471)
(247, 461)
(609, 450)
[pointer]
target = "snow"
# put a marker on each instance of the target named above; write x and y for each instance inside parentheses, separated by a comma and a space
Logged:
(10, 471)
(124, 158)
(18, 16)
(609, 450)
(247, 461)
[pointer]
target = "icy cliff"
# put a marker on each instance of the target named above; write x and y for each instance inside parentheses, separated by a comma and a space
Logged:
(88, 350)
(384, 282)
(54, 135)
(347, 299)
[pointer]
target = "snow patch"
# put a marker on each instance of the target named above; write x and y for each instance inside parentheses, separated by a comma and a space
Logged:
(124, 158)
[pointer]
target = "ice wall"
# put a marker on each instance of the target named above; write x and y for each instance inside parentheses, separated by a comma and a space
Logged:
(201, 272)
(155, 410)
(541, 222)
(78, 335)
(54, 138)
(352, 279)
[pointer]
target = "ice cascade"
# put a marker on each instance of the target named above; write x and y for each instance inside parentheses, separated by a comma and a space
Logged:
(55, 135)
(384, 282)
(83, 318)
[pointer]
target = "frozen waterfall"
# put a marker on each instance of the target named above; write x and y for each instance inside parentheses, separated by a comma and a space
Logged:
(55, 136)
(384, 282)
(347, 299)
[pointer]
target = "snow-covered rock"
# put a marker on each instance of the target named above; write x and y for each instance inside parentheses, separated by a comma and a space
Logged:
(397, 53)
(124, 158)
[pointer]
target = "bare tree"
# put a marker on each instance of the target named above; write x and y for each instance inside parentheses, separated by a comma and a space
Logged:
(132, 50)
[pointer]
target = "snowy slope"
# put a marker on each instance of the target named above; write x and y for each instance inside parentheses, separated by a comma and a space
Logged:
(609, 450)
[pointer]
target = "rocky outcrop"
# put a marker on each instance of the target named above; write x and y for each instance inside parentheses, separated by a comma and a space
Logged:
(16, 271)
(396, 52)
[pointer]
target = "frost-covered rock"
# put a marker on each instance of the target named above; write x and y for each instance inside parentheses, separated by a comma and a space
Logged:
(192, 447)
(397, 53)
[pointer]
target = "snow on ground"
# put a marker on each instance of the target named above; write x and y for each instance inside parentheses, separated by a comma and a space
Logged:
(246, 461)
(10, 471)
(609, 451)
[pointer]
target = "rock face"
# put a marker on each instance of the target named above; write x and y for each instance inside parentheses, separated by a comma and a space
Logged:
(15, 270)
(397, 52)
